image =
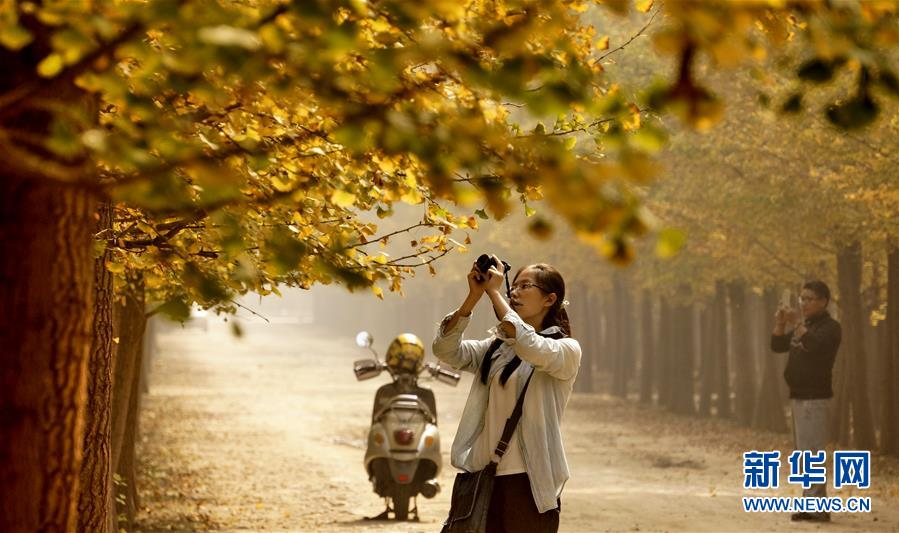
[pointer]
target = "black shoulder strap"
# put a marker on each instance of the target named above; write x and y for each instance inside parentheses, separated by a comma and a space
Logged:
(488, 359)
(513, 363)
(512, 421)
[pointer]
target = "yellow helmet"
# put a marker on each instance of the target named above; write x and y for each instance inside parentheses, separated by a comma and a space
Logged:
(406, 354)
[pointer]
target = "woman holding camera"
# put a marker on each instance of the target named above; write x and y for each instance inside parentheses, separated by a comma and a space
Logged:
(531, 345)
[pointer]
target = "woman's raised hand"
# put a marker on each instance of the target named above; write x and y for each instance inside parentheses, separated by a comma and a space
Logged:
(476, 283)
(495, 282)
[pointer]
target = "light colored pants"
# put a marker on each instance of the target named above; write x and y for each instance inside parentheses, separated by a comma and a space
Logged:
(811, 429)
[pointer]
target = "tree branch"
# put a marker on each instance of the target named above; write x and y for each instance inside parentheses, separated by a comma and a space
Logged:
(375, 240)
(239, 305)
(433, 259)
(633, 37)
(15, 99)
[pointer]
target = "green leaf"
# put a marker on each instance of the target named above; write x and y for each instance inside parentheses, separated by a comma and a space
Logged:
(209, 289)
(481, 213)
(176, 309)
(286, 251)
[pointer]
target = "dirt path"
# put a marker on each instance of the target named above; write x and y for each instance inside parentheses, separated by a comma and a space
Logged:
(266, 433)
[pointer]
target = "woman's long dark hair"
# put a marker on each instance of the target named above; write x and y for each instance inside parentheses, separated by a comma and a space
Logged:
(550, 281)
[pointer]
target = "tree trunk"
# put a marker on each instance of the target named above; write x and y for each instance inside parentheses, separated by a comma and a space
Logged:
(593, 335)
(127, 466)
(769, 405)
(647, 345)
(586, 332)
(889, 415)
(719, 346)
(603, 363)
(620, 357)
(629, 335)
(132, 323)
(743, 357)
(854, 364)
(96, 472)
(681, 393)
(665, 353)
(707, 361)
(46, 287)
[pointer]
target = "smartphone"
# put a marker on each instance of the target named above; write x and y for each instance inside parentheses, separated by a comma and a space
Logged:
(786, 298)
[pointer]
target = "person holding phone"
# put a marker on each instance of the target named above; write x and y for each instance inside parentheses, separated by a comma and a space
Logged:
(812, 342)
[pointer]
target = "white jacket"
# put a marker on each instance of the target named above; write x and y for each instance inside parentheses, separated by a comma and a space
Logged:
(556, 362)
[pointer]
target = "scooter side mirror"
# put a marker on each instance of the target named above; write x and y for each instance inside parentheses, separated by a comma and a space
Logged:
(365, 369)
(364, 340)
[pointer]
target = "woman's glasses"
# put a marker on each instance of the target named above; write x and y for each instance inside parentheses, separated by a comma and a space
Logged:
(523, 286)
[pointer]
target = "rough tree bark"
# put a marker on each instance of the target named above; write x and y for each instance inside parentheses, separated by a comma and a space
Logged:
(96, 470)
(46, 286)
(131, 326)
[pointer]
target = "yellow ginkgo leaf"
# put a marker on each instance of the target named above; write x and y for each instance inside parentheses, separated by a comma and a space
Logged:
(603, 43)
(643, 6)
(343, 199)
(50, 66)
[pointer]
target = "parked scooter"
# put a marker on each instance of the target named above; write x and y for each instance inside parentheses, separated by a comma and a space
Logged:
(403, 454)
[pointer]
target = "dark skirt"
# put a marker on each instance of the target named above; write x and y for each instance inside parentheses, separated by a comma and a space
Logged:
(512, 508)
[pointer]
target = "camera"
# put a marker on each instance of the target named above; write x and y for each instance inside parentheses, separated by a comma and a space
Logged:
(485, 262)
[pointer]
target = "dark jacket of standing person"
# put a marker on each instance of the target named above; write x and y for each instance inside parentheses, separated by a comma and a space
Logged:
(809, 369)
